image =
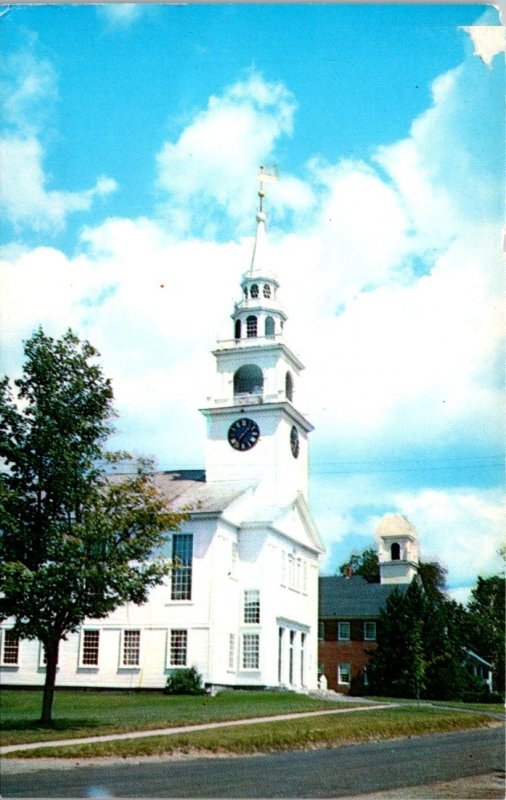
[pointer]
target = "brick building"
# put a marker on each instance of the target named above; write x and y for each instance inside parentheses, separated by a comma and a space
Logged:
(349, 607)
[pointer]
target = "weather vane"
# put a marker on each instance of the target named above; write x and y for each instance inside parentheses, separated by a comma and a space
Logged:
(268, 174)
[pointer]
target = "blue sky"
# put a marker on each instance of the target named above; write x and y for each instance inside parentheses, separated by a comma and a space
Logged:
(131, 137)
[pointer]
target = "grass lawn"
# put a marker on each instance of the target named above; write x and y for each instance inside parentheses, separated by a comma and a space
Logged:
(78, 714)
(319, 731)
(458, 704)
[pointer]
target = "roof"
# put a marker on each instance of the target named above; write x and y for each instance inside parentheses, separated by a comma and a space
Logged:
(187, 490)
(354, 597)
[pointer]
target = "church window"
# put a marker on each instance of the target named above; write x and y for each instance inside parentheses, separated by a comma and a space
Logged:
(251, 326)
(90, 642)
(304, 577)
(250, 651)
(231, 651)
(10, 648)
(43, 657)
(252, 606)
(267, 290)
(237, 329)
(246, 292)
(343, 673)
(254, 290)
(369, 631)
(395, 551)
(269, 326)
(178, 647)
(248, 379)
(343, 632)
(182, 561)
(289, 386)
(131, 649)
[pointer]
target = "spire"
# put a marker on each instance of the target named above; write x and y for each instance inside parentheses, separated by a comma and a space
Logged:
(260, 258)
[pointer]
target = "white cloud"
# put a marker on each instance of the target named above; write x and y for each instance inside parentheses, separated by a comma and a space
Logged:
(219, 153)
(26, 200)
(120, 15)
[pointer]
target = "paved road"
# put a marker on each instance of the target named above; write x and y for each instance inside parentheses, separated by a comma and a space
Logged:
(343, 772)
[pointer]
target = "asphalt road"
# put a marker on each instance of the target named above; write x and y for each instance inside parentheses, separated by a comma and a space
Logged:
(342, 772)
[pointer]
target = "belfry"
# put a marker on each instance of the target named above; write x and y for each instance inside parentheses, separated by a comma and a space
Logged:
(255, 429)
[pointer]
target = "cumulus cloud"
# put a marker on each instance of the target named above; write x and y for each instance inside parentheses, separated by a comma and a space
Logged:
(24, 198)
(220, 151)
(29, 90)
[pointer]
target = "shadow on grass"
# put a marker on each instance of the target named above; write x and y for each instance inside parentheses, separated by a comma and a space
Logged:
(60, 725)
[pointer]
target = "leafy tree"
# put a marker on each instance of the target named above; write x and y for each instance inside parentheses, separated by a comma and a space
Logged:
(419, 648)
(365, 563)
(486, 624)
(433, 577)
(73, 543)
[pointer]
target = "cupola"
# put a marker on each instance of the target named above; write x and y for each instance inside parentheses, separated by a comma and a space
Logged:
(259, 314)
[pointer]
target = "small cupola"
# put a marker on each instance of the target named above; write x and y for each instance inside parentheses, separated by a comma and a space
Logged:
(397, 543)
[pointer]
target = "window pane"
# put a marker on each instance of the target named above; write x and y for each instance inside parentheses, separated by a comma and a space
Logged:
(252, 606)
(250, 651)
(131, 648)
(231, 651)
(182, 558)
(251, 327)
(10, 647)
(343, 631)
(178, 647)
(343, 673)
(90, 648)
(370, 631)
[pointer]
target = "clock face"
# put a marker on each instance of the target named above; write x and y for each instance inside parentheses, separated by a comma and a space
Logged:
(243, 434)
(294, 442)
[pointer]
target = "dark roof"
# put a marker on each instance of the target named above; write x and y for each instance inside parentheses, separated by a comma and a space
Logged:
(354, 597)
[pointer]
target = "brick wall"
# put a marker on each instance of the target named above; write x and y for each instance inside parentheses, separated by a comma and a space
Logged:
(355, 652)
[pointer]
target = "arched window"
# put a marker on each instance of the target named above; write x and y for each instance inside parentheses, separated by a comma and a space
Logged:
(395, 551)
(254, 290)
(289, 386)
(269, 326)
(267, 290)
(246, 292)
(237, 329)
(251, 326)
(248, 379)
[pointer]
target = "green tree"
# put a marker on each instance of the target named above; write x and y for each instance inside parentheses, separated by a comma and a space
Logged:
(486, 624)
(73, 543)
(365, 564)
(419, 650)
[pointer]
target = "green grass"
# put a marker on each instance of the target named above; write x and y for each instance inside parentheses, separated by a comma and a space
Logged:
(458, 704)
(78, 714)
(319, 731)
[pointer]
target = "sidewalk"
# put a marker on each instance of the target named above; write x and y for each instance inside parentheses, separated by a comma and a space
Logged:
(14, 748)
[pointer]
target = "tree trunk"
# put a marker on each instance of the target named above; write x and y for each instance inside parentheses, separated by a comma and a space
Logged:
(51, 649)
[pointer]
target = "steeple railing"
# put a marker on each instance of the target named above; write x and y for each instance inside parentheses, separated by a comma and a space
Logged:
(250, 341)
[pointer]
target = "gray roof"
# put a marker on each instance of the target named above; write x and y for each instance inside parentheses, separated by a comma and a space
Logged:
(354, 597)
(187, 490)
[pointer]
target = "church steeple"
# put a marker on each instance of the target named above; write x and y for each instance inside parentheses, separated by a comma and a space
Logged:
(255, 430)
(259, 313)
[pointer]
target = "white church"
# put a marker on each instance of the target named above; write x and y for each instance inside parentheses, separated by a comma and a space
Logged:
(242, 603)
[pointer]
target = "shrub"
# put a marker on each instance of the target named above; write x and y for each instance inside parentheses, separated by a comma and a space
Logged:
(184, 681)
